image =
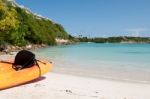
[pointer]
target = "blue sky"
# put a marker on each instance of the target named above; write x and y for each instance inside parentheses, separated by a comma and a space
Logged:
(101, 18)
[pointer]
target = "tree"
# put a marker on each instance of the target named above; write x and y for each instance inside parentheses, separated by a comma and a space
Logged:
(8, 21)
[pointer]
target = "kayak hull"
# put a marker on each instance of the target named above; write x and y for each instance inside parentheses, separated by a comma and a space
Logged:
(9, 77)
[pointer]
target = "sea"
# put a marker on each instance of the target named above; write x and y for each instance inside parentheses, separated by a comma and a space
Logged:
(112, 61)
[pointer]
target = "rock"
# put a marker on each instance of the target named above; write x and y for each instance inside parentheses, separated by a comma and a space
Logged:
(28, 46)
(7, 48)
(43, 45)
(2, 47)
(68, 91)
(61, 41)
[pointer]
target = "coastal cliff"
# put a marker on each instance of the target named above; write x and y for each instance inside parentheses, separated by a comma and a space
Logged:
(20, 26)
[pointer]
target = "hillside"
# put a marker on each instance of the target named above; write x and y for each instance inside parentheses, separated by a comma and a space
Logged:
(19, 26)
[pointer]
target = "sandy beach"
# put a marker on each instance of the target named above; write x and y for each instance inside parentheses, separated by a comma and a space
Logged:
(62, 86)
(66, 86)
(82, 49)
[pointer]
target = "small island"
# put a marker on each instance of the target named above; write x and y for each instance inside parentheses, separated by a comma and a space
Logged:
(119, 39)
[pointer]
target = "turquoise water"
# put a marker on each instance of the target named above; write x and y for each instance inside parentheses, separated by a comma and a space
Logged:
(127, 62)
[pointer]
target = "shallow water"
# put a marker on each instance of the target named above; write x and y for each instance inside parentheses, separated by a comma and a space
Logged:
(127, 62)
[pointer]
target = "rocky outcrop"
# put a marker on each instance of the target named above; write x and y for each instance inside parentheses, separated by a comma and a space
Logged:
(7, 49)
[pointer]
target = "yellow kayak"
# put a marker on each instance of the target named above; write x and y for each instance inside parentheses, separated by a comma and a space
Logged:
(9, 77)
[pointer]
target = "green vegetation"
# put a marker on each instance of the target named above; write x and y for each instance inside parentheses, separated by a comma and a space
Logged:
(123, 39)
(20, 27)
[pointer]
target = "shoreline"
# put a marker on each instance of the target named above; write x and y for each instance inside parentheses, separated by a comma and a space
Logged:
(66, 86)
(63, 86)
(102, 77)
(58, 70)
(73, 73)
(8, 49)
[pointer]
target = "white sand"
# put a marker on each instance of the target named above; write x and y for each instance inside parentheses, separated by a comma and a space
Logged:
(61, 86)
